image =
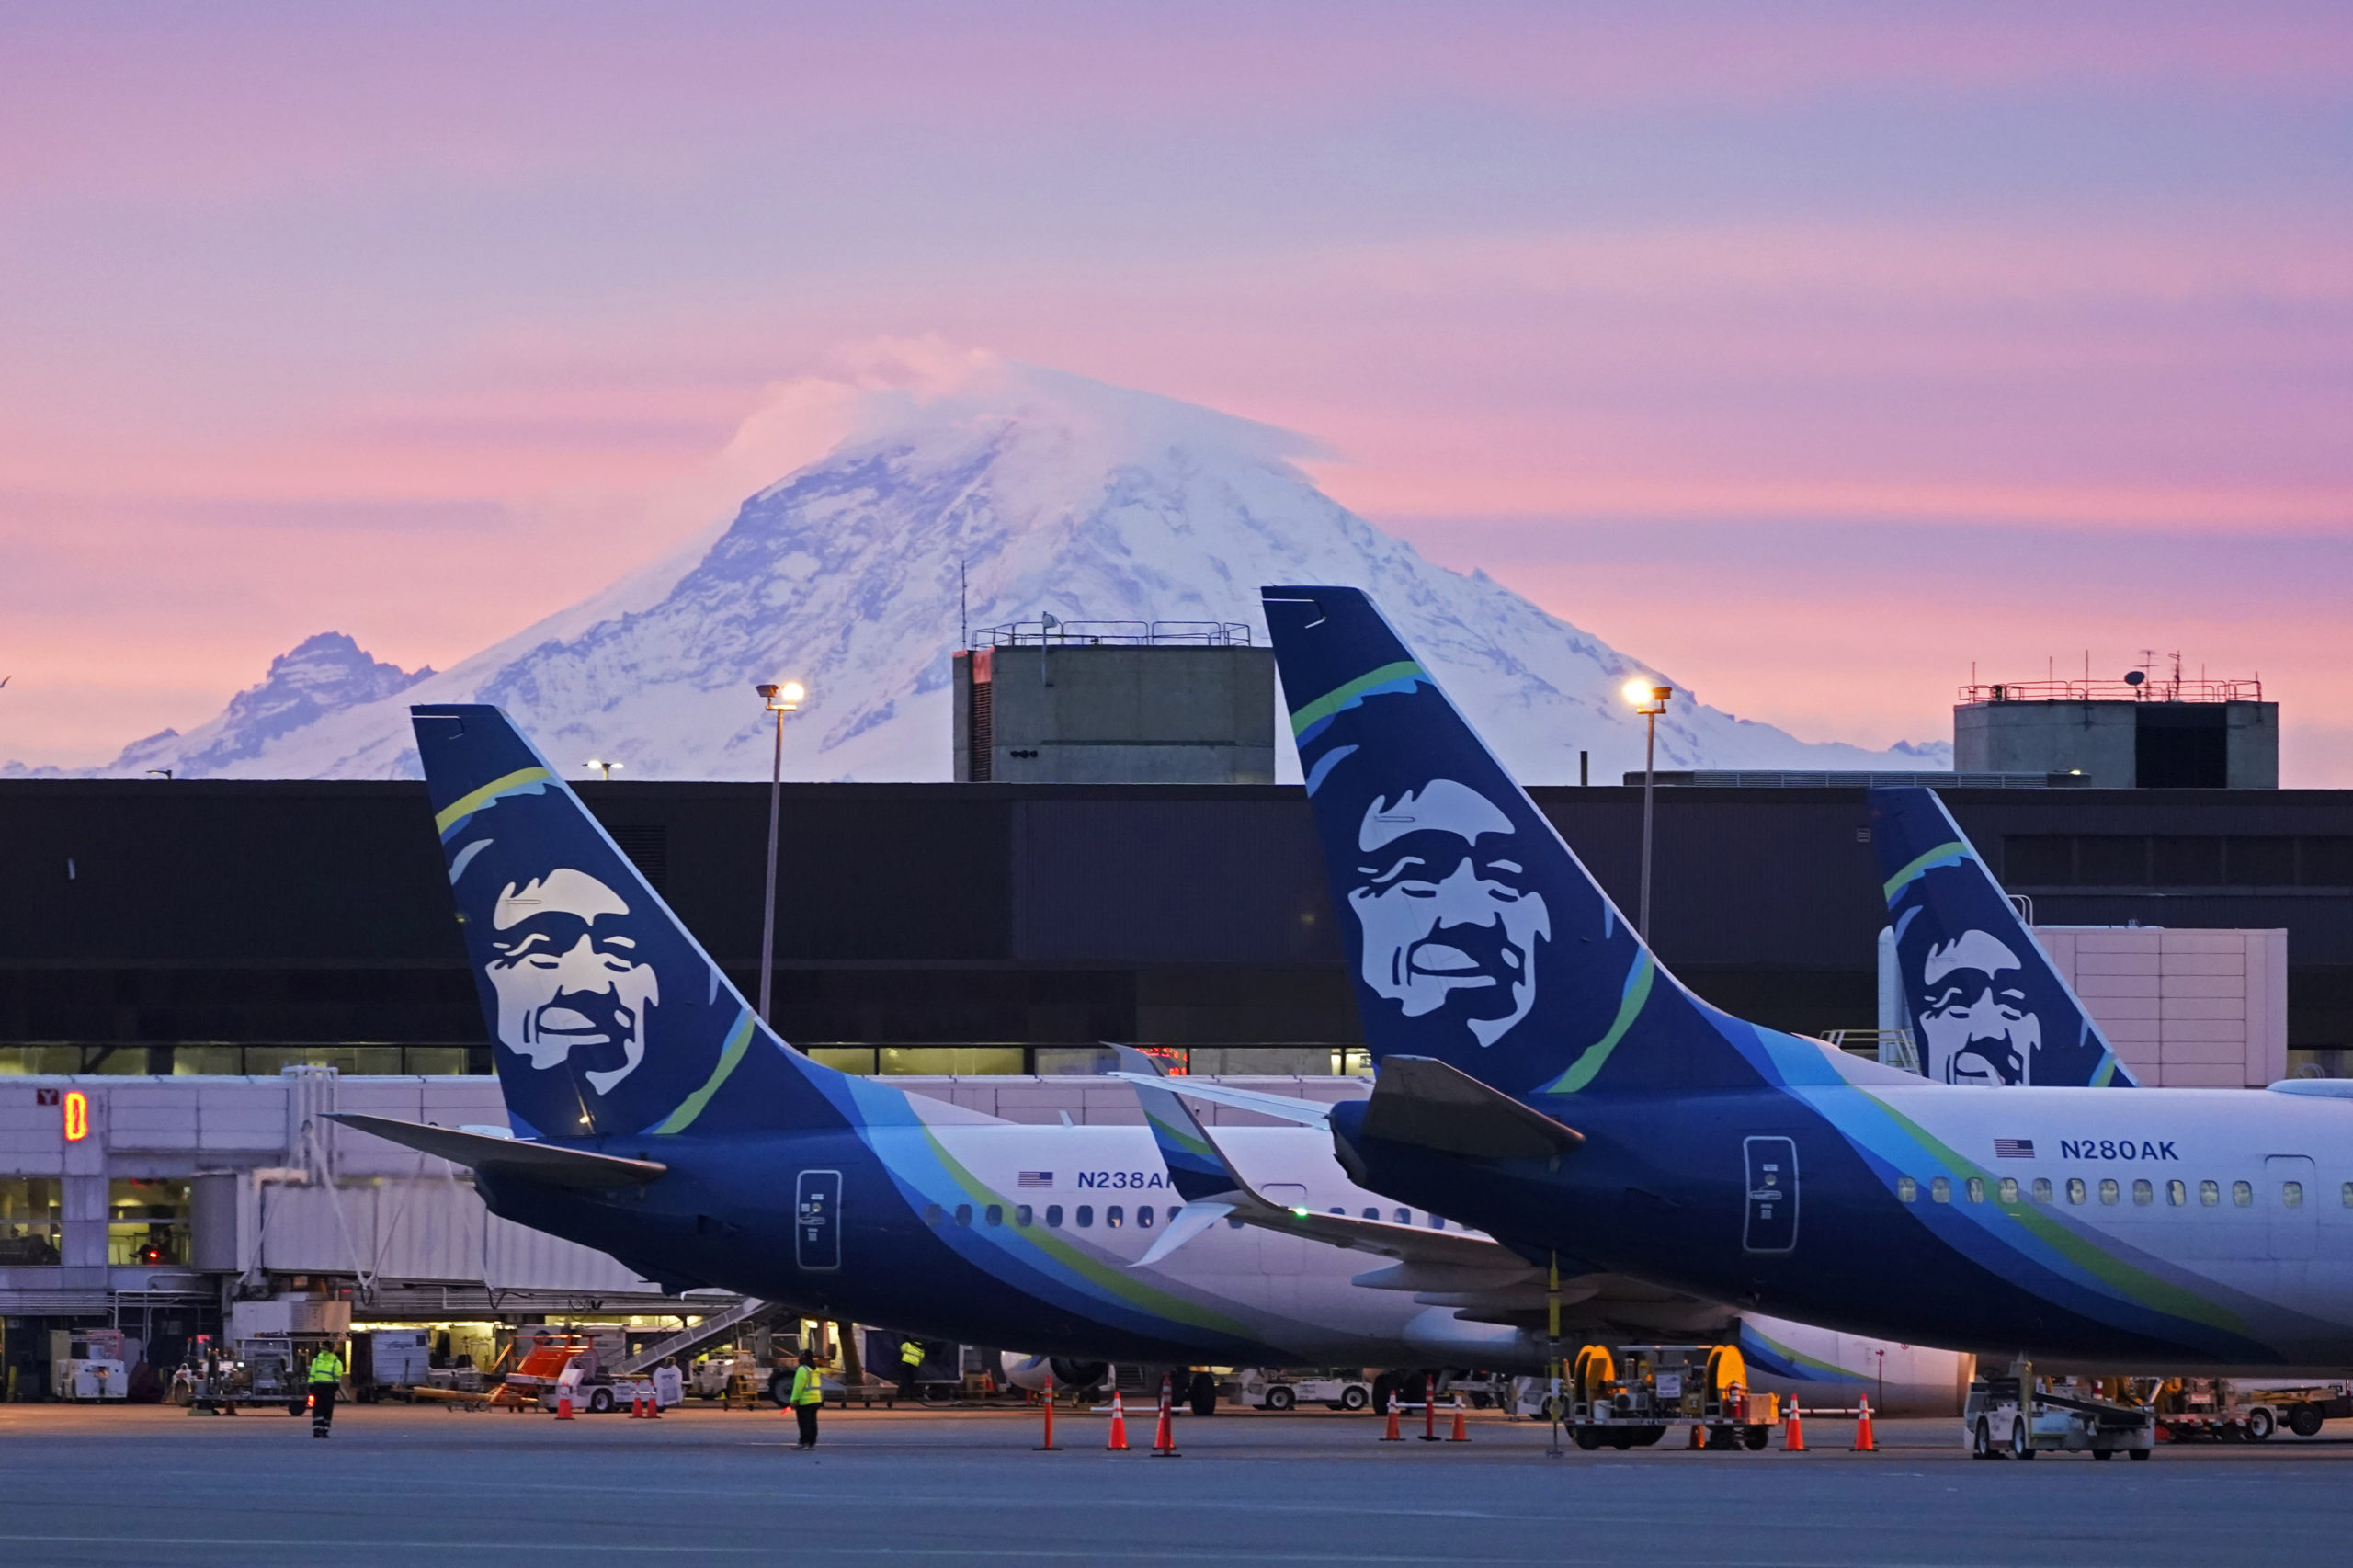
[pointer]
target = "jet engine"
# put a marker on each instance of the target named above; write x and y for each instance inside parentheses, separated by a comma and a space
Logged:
(1030, 1372)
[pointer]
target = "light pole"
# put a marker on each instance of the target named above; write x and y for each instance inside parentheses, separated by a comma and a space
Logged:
(604, 768)
(1649, 698)
(782, 699)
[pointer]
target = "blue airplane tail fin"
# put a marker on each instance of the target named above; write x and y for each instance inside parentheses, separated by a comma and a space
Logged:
(1983, 1000)
(608, 1017)
(1475, 936)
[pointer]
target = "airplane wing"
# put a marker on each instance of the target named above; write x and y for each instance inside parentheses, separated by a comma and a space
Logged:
(539, 1162)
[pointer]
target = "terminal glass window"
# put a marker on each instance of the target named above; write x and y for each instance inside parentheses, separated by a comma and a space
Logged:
(30, 1232)
(2209, 1193)
(147, 1223)
(2242, 1194)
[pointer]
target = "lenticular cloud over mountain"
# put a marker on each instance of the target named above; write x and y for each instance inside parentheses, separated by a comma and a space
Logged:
(1050, 494)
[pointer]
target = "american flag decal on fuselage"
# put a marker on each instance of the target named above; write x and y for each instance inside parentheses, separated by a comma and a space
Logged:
(1032, 1180)
(2013, 1148)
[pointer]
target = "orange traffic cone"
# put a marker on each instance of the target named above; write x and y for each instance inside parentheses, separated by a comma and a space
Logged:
(1699, 1435)
(1049, 1445)
(1119, 1443)
(1392, 1435)
(1793, 1432)
(1429, 1412)
(563, 1404)
(1163, 1441)
(1863, 1440)
(1462, 1426)
(652, 1403)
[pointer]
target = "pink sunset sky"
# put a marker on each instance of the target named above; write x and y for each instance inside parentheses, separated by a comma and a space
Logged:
(1813, 352)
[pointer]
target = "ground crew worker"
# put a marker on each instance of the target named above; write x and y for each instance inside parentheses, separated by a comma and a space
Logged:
(327, 1382)
(807, 1395)
(910, 1365)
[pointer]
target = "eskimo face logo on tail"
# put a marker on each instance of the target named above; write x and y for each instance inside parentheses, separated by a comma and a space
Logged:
(569, 979)
(1448, 923)
(1975, 1021)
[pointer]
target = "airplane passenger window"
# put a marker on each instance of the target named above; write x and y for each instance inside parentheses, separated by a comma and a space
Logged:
(2042, 1189)
(1115, 1216)
(995, 1214)
(1143, 1216)
(2209, 1193)
(1372, 1213)
(1906, 1190)
(2008, 1190)
(2291, 1194)
(963, 1213)
(1232, 1223)
(2108, 1189)
(2075, 1190)
(1021, 1216)
(931, 1213)
(1405, 1216)
(1085, 1215)
(1439, 1225)
(2348, 1195)
(2176, 1193)
(1054, 1216)
(1340, 1211)
(1977, 1190)
(2242, 1194)
(2143, 1192)
(1940, 1189)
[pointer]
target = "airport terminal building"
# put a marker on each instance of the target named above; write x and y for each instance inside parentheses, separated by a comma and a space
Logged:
(188, 961)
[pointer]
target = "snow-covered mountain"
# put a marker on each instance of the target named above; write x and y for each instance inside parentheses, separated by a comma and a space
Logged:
(1049, 494)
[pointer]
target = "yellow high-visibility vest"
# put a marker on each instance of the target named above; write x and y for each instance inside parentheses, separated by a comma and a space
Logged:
(805, 1387)
(911, 1353)
(327, 1367)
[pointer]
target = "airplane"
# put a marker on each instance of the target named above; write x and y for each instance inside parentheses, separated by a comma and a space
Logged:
(656, 1117)
(2071, 1227)
(1986, 1004)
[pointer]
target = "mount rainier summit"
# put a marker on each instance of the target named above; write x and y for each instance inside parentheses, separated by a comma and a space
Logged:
(1051, 494)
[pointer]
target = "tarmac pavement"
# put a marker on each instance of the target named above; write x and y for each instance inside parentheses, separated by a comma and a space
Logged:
(451, 1489)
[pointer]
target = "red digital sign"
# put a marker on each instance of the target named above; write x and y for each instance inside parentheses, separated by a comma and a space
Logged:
(77, 1116)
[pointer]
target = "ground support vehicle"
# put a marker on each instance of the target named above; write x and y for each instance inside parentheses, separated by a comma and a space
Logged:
(1341, 1388)
(264, 1371)
(2220, 1410)
(2016, 1417)
(1629, 1397)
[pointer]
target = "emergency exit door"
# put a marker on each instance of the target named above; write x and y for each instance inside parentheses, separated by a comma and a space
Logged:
(816, 1220)
(1772, 1195)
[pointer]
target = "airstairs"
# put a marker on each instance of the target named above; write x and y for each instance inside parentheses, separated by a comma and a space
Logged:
(746, 1313)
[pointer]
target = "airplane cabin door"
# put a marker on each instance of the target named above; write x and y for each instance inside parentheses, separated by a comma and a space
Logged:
(1772, 1195)
(816, 1220)
(2292, 1213)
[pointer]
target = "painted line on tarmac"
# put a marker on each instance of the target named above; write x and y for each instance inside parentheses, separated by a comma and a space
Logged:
(1219, 1555)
